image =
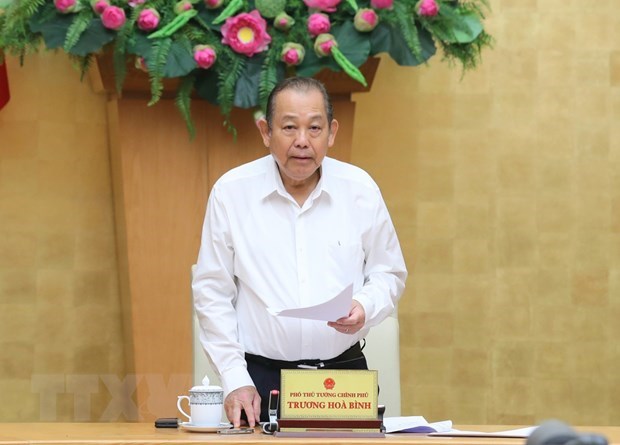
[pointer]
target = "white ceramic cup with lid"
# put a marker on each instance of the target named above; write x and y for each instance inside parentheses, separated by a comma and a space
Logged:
(205, 404)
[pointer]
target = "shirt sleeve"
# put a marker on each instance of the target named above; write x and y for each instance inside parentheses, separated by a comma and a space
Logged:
(215, 293)
(384, 268)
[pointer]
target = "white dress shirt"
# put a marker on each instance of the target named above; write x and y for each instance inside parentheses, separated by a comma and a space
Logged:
(260, 249)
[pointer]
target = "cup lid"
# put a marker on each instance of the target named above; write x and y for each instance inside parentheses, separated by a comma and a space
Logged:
(205, 387)
(202, 388)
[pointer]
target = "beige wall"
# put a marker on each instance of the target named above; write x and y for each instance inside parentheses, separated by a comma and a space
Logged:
(60, 331)
(505, 189)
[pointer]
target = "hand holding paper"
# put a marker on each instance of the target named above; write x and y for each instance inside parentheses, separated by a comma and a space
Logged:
(330, 310)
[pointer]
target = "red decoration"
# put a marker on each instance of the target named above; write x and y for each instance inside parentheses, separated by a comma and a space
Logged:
(329, 383)
(4, 85)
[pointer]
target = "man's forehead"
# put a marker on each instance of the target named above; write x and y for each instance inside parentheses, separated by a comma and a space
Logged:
(292, 114)
(292, 103)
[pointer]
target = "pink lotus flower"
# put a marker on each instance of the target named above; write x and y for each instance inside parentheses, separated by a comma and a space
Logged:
(365, 20)
(322, 5)
(148, 19)
(66, 6)
(283, 21)
(428, 8)
(205, 56)
(182, 6)
(292, 54)
(323, 44)
(99, 6)
(318, 24)
(113, 17)
(246, 33)
(382, 4)
(213, 4)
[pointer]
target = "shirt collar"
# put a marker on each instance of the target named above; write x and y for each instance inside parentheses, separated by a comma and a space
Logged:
(273, 181)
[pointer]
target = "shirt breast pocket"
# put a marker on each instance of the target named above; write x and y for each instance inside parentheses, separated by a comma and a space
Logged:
(345, 262)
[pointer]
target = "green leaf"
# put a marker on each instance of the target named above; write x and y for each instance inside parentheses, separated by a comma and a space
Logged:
(140, 46)
(227, 81)
(207, 85)
(467, 28)
(272, 72)
(312, 64)
(455, 25)
(183, 102)
(180, 60)
(77, 28)
(390, 40)
(156, 65)
(120, 66)
(246, 91)
(354, 45)
(53, 31)
(207, 16)
(91, 40)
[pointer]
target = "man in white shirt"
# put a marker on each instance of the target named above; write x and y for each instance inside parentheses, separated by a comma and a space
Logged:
(292, 229)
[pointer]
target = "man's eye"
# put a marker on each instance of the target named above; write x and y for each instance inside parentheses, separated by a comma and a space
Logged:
(315, 128)
(289, 127)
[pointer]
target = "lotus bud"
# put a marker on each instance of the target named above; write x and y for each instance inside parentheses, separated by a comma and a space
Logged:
(427, 8)
(148, 19)
(67, 6)
(182, 6)
(99, 6)
(205, 56)
(323, 44)
(283, 21)
(113, 18)
(382, 4)
(318, 23)
(365, 20)
(292, 54)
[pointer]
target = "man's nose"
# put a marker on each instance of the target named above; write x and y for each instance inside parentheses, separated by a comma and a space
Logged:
(302, 139)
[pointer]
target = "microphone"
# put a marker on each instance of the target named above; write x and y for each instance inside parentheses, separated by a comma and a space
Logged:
(274, 397)
(556, 432)
(272, 426)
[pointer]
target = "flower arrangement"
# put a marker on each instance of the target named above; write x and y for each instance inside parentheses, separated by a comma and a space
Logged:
(232, 52)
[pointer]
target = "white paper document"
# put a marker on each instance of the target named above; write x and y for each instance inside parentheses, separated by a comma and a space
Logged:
(418, 424)
(330, 310)
(520, 433)
(415, 424)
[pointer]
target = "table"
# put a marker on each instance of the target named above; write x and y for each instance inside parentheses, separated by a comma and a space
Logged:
(147, 434)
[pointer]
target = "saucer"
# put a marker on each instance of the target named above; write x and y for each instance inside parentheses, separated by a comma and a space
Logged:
(204, 428)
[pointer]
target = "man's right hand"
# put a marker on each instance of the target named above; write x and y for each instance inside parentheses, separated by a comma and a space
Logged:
(245, 398)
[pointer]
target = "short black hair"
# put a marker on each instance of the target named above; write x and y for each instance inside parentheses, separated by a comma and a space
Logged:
(302, 84)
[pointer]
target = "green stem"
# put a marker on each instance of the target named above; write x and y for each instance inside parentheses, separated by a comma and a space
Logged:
(229, 10)
(347, 66)
(353, 4)
(174, 24)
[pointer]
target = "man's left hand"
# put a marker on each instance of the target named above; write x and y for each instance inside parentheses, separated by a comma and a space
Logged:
(353, 322)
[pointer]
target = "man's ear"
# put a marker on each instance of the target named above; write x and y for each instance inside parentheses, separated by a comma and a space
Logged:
(333, 129)
(265, 132)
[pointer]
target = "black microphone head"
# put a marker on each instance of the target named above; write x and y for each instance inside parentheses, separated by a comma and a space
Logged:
(552, 432)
